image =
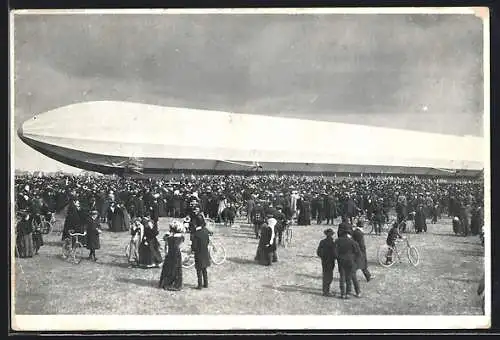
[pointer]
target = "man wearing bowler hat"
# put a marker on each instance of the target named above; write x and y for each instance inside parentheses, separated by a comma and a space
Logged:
(326, 251)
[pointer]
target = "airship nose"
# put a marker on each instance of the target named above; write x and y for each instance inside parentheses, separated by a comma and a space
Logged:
(20, 132)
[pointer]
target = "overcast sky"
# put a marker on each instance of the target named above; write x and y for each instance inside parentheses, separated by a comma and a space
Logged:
(420, 72)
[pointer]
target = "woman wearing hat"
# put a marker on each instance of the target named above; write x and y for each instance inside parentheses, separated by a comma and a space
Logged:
(93, 230)
(136, 232)
(267, 244)
(149, 248)
(171, 273)
(326, 251)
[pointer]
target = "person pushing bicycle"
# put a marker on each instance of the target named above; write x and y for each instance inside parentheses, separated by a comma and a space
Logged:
(392, 236)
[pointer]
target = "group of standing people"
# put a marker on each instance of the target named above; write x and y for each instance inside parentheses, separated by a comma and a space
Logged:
(29, 238)
(349, 252)
(144, 248)
(171, 274)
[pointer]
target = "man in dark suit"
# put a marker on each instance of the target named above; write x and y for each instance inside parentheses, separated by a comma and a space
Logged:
(199, 246)
(326, 251)
(362, 263)
(420, 220)
(74, 219)
(347, 250)
(350, 208)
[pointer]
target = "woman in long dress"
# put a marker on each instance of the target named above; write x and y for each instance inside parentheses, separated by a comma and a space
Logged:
(136, 233)
(171, 273)
(267, 245)
(149, 248)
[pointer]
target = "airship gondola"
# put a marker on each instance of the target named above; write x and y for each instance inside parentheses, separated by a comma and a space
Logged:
(113, 137)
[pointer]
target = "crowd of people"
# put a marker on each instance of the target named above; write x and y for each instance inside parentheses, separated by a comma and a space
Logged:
(318, 199)
(269, 202)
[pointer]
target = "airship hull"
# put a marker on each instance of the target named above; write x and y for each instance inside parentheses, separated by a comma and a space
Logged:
(106, 136)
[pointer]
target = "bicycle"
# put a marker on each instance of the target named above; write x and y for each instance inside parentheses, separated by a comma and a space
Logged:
(216, 251)
(385, 252)
(46, 226)
(72, 247)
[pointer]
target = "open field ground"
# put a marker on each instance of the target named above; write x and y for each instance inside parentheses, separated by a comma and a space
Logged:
(444, 283)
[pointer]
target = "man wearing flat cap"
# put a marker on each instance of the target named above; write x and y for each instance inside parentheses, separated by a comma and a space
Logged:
(326, 251)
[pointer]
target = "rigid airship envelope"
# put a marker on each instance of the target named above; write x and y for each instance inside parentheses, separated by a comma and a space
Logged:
(101, 136)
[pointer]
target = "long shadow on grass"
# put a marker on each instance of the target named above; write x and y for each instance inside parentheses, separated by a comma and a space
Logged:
(443, 234)
(316, 277)
(138, 281)
(114, 264)
(460, 280)
(295, 288)
(149, 283)
(239, 260)
(116, 256)
(475, 241)
(52, 243)
(475, 253)
(248, 236)
(309, 276)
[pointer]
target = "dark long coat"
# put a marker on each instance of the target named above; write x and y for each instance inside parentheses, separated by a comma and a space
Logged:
(199, 245)
(347, 250)
(24, 238)
(420, 222)
(326, 251)
(149, 248)
(93, 240)
(358, 236)
(171, 273)
(330, 208)
(116, 219)
(74, 220)
(305, 213)
(263, 249)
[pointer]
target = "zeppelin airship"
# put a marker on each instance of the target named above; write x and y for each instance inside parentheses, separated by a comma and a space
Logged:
(123, 137)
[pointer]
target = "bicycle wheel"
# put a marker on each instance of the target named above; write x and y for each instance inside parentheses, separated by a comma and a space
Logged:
(77, 253)
(217, 253)
(413, 256)
(45, 227)
(187, 257)
(382, 255)
(371, 227)
(66, 248)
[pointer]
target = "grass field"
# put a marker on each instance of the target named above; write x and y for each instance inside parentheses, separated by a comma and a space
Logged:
(444, 283)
